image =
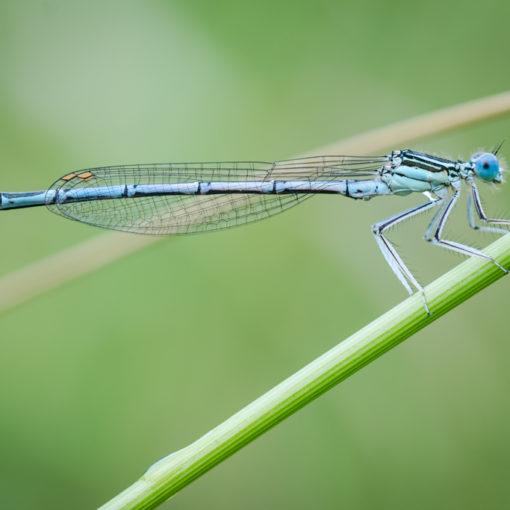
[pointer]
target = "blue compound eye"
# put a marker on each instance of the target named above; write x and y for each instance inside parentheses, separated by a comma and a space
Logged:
(486, 166)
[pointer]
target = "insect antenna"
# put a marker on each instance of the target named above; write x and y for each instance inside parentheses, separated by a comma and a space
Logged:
(497, 148)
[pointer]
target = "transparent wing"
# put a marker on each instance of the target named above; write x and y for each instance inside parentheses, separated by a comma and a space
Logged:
(178, 214)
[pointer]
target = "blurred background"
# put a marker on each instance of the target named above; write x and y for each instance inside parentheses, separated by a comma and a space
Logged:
(108, 373)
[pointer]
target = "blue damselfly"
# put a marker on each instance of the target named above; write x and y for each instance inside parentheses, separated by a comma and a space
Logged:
(178, 198)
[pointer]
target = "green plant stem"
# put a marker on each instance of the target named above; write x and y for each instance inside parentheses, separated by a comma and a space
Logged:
(172, 473)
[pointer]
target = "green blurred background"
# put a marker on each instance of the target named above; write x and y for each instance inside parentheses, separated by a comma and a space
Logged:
(105, 375)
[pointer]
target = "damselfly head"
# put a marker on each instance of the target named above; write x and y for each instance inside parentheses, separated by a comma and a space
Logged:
(486, 166)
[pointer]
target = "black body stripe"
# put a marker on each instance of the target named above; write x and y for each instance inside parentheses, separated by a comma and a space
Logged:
(427, 162)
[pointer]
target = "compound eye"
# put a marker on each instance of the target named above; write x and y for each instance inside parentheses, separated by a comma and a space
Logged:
(486, 166)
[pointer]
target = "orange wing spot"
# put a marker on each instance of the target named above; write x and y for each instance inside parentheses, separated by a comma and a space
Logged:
(68, 177)
(85, 176)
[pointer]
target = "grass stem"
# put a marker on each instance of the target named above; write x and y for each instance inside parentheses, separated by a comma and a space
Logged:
(174, 472)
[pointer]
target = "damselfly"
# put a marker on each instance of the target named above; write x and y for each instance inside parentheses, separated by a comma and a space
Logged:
(177, 198)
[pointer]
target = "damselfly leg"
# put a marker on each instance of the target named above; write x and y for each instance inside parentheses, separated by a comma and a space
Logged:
(437, 240)
(390, 253)
(475, 203)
